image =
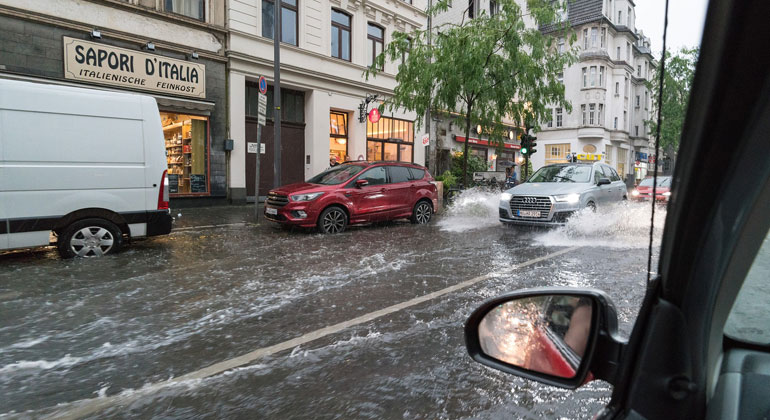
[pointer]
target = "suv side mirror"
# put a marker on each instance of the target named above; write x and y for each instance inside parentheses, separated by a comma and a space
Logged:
(559, 336)
(603, 181)
(361, 183)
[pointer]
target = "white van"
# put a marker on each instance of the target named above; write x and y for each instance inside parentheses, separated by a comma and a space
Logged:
(88, 165)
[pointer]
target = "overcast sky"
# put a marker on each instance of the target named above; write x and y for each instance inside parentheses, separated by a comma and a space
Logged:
(685, 22)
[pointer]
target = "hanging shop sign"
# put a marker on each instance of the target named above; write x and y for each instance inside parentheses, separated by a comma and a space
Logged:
(105, 64)
(374, 115)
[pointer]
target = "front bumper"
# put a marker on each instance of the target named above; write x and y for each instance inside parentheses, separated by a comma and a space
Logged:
(291, 214)
(557, 214)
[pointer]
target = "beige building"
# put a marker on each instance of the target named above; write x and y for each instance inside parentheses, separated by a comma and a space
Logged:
(326, 46)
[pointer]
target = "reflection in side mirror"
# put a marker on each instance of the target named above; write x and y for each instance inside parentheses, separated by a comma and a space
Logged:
(545, 334)
(603, 181)
(361, 183)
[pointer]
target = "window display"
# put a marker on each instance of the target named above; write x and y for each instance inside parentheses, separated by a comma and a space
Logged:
(390, 139)
(338, 137)
(186, 152)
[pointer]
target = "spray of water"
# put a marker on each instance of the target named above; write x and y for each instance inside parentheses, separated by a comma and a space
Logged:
(621, 225)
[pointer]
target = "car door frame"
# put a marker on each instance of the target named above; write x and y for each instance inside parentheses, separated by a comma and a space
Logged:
(705, 254)
(361, 211)
(400, 192)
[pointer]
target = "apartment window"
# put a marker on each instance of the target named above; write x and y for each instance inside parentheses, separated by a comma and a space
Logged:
(560, 77)
(617, 88)
(625, 114)
(609, 154)
(375, 41)
(639, 71)
(594, 35)
(492, 8)
(604, 38)
(645, 70)
(585, 39)
(625, 87)
(471, 9)
(628, 17)
(637, 101)
(405, 53)
(615, 126)
(628, 52)
(583, 111)
(601, 112)
(557, 153)
(593, 76)
(558, 117)
(636, 130)
(289, 25)
(561, 45)
(340, 35)
(585, 77)
(591, 114)
(601, 76)
(618, 55)
(190, 8)
(620, 16)
(646, 99)
(549, 123)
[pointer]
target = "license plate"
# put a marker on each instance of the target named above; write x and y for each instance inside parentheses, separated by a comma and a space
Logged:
(529, 213)
(268, 210)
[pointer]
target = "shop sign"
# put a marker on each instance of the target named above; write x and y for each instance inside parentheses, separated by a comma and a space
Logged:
(374, 115)
(426, 139)
(589, 156)
(642, 157)
(486, 142)
(99, 63)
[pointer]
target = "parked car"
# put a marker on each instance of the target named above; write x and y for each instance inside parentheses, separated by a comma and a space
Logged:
(555, 192)
(87, 165)
(643, 192)
(700, 347)
(355, 192)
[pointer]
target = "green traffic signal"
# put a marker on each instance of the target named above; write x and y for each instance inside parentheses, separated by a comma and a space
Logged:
(523, 150)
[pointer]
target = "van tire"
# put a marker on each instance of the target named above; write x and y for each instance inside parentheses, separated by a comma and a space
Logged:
(105, 238)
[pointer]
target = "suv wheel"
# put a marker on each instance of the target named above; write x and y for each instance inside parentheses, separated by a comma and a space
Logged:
(422, 212)
(89, 238)
(332, 220)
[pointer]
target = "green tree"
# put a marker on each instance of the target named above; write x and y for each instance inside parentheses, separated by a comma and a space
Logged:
(680, 71)
(485, 68)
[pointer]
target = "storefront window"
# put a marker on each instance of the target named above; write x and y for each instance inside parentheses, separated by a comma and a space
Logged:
(186, 152)
(338, 137)
(390, 139)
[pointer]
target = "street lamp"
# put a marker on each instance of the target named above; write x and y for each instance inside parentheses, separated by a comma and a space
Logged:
(478, 129)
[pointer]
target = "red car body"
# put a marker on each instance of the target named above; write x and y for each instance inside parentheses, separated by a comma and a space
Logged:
(362, 202)
(643, 192)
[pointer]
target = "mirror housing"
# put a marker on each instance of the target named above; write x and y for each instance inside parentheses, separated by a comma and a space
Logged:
(602, 352)
(361, 183)
(603, 181)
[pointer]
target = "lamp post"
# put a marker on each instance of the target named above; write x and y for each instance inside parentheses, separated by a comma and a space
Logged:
(277, 95)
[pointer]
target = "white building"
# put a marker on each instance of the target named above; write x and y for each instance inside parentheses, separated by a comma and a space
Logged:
(327, 45)
(607, 89)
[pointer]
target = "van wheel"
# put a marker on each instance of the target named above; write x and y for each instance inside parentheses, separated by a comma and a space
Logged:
(422, 213)
(332, 220)
(90, 238)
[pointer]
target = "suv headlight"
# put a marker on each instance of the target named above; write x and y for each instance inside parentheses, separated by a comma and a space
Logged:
(567, 198)
(506, 196)
(306, 197)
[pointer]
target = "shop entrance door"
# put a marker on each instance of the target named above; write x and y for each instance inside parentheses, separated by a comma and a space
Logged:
(292, 156)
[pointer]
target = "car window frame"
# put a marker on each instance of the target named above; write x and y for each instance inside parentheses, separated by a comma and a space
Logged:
(360, 176)
(390, 170)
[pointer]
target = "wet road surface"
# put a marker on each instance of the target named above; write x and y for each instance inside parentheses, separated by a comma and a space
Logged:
(90, 329)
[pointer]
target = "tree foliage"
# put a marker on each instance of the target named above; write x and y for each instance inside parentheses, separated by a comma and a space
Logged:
(486, 69)
(680, 71)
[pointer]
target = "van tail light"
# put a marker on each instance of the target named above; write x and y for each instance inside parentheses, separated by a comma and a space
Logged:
(163, 193)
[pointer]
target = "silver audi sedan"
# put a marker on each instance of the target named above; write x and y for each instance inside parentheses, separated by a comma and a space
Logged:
(556, 191)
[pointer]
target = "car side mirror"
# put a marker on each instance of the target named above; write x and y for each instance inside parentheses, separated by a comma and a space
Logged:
(558, 336)
(361, 183)
(603, 181)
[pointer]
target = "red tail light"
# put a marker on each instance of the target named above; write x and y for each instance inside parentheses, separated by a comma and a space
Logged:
(163, 192)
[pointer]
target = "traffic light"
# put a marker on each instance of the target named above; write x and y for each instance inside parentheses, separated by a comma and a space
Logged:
(525, 144)
(531, 149)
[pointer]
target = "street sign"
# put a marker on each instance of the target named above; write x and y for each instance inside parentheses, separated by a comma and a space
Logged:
(262, 111)
(252, 148)
(426, 139)
(262, 85)
(374, 115)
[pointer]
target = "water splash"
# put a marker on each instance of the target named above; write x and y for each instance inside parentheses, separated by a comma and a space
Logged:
(622, 225)
(474, 208)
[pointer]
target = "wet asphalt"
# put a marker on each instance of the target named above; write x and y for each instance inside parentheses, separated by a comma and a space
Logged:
(220, 286)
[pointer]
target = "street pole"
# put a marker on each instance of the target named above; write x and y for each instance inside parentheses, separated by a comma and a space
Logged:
(256, 176)
(277, 95)
(432, 146)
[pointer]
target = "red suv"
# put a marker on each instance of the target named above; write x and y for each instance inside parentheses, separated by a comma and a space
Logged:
(356, 192)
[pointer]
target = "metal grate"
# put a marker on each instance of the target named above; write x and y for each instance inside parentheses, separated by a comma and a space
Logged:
(541, 204)
(277, 200)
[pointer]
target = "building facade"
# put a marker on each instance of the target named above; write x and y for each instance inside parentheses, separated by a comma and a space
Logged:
(608, 91)
(326, 47)
(173, 50)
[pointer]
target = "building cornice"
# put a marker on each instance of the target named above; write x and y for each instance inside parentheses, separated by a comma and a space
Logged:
(169, 17)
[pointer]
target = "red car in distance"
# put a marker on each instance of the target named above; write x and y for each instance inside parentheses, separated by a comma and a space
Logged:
(643, 191)
(355, 192)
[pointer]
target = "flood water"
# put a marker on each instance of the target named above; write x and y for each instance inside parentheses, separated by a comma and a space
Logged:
(90, 329)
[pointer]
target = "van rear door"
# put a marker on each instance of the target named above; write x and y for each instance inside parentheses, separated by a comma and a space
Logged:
(3, 211)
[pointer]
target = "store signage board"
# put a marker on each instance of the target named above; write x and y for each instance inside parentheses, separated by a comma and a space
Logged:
(198, 183)
(426, 139)
(107, 65)
(252, 148)
(374, 115)
(262, 111)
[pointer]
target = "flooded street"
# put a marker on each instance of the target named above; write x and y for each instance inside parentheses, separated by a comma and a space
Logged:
(90, 330)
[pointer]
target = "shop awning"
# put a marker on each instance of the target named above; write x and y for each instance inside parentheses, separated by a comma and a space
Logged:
(486, 142)
(169, 103)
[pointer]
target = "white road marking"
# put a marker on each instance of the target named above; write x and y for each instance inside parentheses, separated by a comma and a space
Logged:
(82, 408)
